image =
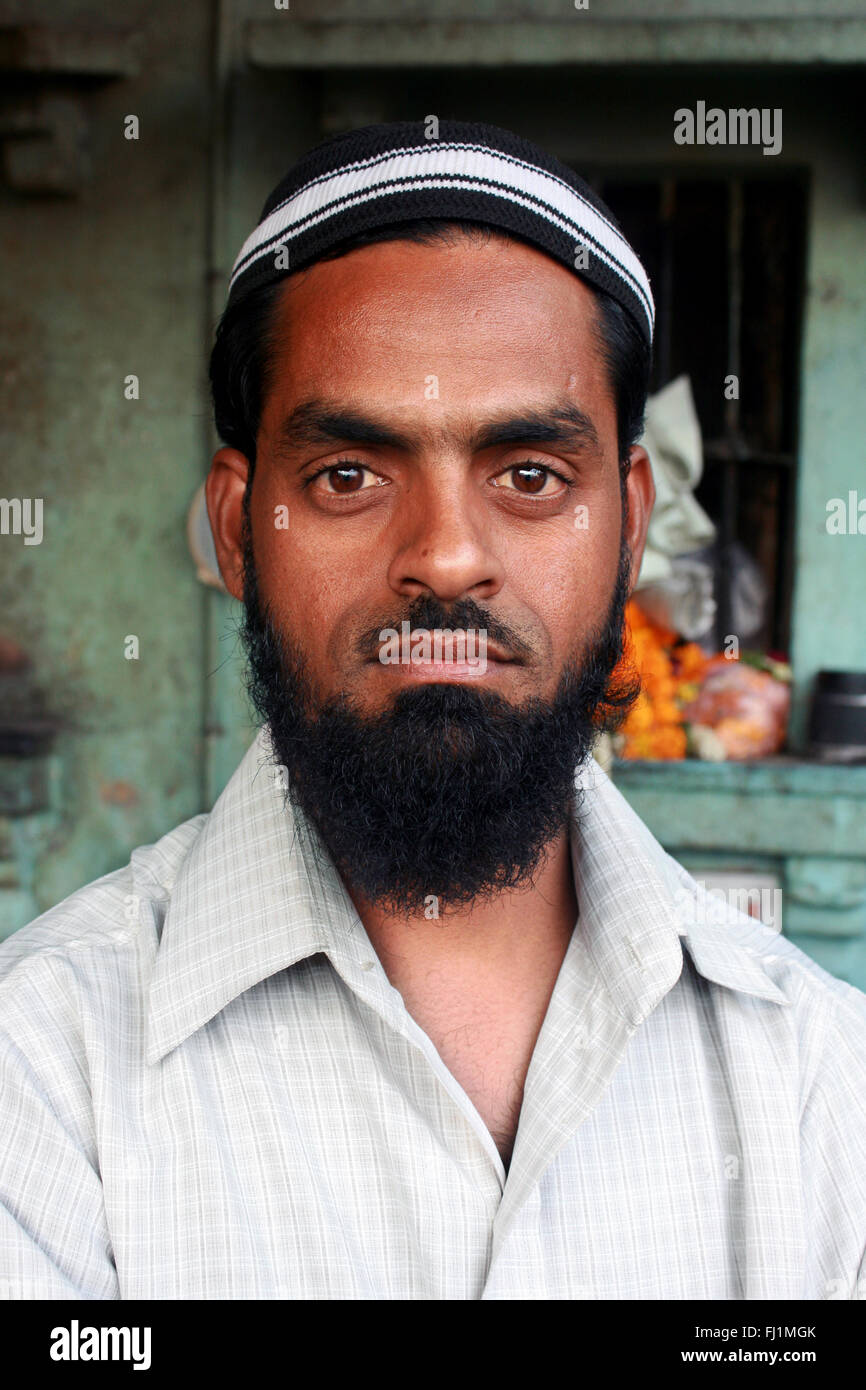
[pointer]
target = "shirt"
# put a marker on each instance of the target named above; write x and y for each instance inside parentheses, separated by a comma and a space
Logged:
(210, 1090)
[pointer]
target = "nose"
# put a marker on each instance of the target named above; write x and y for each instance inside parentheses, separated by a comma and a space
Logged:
(444, 545)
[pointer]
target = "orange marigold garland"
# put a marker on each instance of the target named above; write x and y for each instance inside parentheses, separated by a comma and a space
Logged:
(653, 727)
(694, 703)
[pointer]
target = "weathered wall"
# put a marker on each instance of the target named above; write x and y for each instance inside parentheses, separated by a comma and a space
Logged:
(95, 287)
(830, 574)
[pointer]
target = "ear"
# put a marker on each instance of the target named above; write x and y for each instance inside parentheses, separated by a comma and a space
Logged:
(224, 490)
(641, 493)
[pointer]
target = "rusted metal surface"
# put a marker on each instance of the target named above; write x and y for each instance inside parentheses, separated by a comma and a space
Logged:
(94, 288)
(43, 49)
(44, 143)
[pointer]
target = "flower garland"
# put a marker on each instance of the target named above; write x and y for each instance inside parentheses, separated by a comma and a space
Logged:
(694, 704)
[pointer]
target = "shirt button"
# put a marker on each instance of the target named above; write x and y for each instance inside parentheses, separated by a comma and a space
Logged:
(367, 964)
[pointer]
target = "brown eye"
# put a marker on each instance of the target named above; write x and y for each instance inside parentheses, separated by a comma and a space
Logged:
(531, 479)
(346, 478)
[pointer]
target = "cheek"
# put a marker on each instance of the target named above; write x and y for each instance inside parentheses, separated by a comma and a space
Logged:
(294, 579)
(571, 587)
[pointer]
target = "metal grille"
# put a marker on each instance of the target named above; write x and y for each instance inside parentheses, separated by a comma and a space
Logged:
(726, 258)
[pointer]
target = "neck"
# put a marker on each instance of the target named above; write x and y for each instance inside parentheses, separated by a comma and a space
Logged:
(504, 931)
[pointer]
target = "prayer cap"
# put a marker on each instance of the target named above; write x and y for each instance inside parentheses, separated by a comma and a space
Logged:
(366, 179)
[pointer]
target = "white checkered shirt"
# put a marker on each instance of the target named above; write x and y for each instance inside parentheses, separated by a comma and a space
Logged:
(210, 1090)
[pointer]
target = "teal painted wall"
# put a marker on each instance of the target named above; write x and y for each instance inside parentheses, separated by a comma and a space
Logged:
(830, 587)
(95, 287)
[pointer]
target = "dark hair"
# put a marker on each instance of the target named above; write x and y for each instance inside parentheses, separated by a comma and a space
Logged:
(240, 364)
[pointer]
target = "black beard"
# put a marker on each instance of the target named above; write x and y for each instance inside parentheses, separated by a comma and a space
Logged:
(451, 793)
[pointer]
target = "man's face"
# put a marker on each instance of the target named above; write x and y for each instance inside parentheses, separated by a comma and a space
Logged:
(438, 444)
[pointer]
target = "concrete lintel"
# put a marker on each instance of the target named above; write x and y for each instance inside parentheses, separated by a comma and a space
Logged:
(68, 51)
(286, 42)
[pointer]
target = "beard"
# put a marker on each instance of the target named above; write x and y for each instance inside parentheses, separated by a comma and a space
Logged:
(450, 794)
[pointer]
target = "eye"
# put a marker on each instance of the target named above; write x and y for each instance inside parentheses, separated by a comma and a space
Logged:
(345, 478)
(532, 479)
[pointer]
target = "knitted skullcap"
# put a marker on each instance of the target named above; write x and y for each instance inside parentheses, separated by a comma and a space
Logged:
(366, 179)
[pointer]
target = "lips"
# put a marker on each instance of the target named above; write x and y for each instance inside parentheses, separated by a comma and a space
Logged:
(491, 654)
(491, 651)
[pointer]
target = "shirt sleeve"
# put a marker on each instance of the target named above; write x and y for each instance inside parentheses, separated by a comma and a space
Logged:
(54, 1238)
(833, 1135)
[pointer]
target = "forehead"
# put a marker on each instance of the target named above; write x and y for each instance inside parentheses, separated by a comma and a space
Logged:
(486, 319)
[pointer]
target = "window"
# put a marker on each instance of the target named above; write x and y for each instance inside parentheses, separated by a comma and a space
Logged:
(726, 260)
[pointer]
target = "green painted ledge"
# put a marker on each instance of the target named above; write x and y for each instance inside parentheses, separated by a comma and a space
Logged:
(805, 822)
(780, 806)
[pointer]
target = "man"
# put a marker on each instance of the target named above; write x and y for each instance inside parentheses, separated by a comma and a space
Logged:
(421, 1009)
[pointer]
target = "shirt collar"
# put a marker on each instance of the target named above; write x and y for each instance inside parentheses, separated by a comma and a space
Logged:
(258, 892)
(638, 907)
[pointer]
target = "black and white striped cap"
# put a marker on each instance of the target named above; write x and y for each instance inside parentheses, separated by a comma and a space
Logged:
(366, 179)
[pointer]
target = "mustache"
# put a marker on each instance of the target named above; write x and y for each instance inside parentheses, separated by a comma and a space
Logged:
(428, 613)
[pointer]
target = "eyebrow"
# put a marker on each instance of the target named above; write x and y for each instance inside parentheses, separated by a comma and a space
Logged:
(317, 422)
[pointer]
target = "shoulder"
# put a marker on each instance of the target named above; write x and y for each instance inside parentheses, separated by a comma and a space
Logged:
(826, 1015)
(706, 916)
(90, 931)
(805, 1026)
